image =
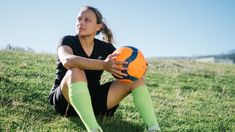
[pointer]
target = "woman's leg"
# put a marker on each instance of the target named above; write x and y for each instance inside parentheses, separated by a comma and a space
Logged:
(141, 97)
(75, 90)
(119, 90)
(72, 76)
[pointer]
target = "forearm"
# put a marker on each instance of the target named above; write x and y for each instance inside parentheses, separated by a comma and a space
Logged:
(83, 63)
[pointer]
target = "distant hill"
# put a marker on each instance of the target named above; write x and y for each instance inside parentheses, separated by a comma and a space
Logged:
(225, 56)
(228, 57)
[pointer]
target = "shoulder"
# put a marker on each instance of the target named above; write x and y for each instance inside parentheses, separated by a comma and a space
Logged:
(68, 40)
(68, 37)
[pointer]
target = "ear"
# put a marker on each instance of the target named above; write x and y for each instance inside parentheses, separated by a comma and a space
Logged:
(98, 27)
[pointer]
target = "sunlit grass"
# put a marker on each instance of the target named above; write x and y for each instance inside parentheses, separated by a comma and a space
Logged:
(187, 96)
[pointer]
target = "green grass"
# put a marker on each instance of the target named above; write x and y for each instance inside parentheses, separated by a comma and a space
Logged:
(187, 96)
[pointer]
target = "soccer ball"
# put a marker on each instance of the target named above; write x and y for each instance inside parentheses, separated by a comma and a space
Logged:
(136, 63)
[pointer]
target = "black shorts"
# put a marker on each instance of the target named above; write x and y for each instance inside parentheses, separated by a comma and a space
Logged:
(98, 99)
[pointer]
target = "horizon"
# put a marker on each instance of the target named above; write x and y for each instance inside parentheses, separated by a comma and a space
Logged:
(157, 28)
(28, 49)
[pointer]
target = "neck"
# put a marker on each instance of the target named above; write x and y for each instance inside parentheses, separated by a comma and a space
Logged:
(87, 41)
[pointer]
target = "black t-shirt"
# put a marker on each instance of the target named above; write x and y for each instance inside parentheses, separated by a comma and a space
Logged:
(100, 51)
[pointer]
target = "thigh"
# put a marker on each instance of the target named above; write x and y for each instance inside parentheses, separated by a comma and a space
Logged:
(119, 90)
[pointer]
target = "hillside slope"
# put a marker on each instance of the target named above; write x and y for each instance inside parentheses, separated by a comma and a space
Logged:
(187, 96)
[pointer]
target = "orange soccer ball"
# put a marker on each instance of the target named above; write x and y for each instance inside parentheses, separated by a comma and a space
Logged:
(136, 63)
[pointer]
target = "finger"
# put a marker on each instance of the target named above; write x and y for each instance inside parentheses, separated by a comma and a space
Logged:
(119, 68)
(124, 69)
(118, 76)
(121, 62)
(119, 72)
(115, 73)
(114, 54)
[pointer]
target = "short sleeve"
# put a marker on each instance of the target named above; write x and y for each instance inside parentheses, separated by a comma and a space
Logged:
(66, 40)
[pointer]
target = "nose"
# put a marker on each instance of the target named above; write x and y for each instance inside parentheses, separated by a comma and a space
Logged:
(79, 23)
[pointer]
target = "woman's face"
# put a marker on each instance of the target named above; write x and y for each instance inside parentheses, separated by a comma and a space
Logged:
(86, 23)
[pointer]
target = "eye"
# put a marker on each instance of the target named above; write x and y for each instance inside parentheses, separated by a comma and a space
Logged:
(87, 20)
(79, 19)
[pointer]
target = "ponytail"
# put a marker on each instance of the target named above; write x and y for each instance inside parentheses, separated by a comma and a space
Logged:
(106, 32)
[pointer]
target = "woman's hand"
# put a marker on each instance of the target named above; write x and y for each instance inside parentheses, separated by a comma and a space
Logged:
(113, 66)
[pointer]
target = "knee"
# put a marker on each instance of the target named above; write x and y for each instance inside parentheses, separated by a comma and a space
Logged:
(76, 74)
(137, 83)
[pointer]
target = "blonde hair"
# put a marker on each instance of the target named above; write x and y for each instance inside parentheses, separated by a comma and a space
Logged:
(106, 32)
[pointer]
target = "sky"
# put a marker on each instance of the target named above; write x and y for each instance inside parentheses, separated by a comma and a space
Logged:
(156, 27)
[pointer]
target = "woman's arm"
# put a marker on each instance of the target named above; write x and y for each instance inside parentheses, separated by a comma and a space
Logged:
(69, 60)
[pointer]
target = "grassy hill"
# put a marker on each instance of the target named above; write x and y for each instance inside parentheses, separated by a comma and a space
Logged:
(187, 96)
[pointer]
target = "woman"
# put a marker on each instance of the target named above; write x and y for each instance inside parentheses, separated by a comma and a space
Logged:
(81, 61)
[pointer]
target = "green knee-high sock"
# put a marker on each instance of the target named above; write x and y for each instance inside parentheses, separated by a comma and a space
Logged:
(143, 102)
(81, 101)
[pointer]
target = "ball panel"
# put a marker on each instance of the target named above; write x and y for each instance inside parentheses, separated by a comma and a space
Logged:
(136, 63)
(124, 53)
(138, 66)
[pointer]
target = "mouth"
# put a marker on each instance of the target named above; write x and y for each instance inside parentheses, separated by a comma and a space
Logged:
(81, 28)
